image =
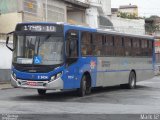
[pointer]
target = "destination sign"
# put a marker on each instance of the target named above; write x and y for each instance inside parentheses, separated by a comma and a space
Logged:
(38, 28)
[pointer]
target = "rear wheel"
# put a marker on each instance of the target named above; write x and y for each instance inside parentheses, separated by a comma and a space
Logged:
(132, 81)
(41, 92)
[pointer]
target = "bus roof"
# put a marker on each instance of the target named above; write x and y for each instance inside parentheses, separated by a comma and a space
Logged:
(125, 34)
(86, 28)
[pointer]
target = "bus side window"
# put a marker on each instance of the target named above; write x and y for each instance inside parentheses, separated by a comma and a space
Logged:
(109, 45)
(136, 49)
(97, 43)
(119, 45)
(150, 47)
(86, 44)
(144, 47)
(72, 44)
(128, 46)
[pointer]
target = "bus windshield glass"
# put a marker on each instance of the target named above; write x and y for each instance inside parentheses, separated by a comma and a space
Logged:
(40, 50)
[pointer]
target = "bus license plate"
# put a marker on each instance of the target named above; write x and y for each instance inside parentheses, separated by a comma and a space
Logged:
(30, 83)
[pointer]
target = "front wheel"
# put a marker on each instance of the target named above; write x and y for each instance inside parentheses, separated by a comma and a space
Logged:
(41, 92)
(83, 87)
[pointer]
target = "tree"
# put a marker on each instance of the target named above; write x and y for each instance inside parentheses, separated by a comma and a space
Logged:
(151, 26)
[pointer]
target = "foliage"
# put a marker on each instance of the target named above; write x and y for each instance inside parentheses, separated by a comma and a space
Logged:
(152, 26)
(127, 15)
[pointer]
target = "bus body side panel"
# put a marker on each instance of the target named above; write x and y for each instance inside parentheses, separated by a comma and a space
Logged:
(115, 70)
(73, 73)
(144, 68)
(111, 71)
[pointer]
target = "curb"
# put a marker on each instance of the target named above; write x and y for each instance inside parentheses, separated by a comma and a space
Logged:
(5, 86)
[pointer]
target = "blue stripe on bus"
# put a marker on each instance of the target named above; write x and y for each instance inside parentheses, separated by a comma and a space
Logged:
(125, 70)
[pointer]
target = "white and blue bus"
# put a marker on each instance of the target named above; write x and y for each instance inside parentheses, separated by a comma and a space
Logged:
(57, 56)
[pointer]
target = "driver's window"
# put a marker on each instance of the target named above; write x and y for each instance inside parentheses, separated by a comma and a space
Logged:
(72, 44)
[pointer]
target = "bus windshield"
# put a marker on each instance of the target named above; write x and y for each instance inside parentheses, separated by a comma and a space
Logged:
(47, 49)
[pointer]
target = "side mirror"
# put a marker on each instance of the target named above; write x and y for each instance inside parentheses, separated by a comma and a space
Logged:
(7, 42)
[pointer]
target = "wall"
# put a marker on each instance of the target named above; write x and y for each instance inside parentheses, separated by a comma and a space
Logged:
(133, 26)
(5, 61)
(9, 21)
(97, 8)
(8, 6)
(92, 17)
(106, 6)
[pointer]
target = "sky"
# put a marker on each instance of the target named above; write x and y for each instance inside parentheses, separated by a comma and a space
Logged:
(145, 7)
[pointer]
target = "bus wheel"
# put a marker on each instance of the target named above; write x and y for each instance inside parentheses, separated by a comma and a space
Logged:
(132, 80)
(83, 87)
(88, 85)
(41, 92)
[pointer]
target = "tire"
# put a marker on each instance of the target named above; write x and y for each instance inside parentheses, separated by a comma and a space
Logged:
(132, 81)
(88, 86)
(83, 87)
(41, 92)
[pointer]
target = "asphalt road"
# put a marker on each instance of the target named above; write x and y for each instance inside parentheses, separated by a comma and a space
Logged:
(102, 103)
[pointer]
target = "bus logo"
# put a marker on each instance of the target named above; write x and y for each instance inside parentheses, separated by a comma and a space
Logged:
(92, 64)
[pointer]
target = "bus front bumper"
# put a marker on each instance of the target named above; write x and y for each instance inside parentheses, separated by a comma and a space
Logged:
(47, 85)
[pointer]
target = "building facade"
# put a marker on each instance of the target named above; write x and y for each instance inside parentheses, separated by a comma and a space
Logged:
(97, 9)
(129, 10)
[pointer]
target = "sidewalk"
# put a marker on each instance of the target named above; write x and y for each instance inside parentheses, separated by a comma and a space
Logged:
(5, 85)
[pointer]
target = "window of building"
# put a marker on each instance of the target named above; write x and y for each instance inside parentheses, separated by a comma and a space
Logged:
(54, 13)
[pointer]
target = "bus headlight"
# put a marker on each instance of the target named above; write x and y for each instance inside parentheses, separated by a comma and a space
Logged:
(58, 75)
(14, 76)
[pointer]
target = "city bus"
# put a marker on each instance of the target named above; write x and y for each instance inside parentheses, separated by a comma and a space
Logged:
(60, 56)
